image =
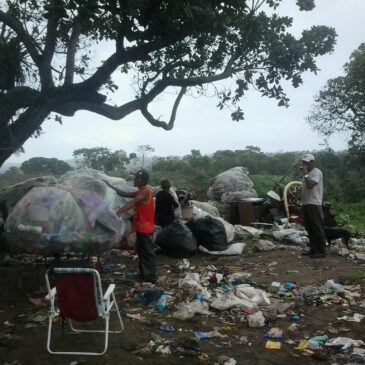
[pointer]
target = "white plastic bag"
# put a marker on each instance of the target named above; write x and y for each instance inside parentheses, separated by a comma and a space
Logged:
(256, 320)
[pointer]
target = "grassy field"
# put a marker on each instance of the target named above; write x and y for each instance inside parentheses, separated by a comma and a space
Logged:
(350, 214)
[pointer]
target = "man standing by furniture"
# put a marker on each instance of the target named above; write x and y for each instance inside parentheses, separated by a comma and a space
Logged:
(143, 223)
(312, 197)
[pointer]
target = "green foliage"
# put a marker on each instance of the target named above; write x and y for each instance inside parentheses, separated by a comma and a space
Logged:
(11, 58)
(340, 105)
(196, 170)
(10, 177)
(182, 46)
(101, 158)
(264, 182)
(350, 215)
(44, 166)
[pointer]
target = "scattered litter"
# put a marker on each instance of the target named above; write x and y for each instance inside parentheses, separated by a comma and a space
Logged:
(275, 284)
(273, 345)
(207, 335)
(166, 328)
(8, 324)
(275, 332)
(256, 320)
(183, 264)
(138, 316)
(37, 302)
(187, 311)
(265, 245)
(357, 317)
(295, 318)
(359, 352)
(37, 318)
(148, 295)
(163, 350)
(316, 343)
(302, 345)
(162, 302)
(233, 249)
(293, 327)
(244, 232)
(225, 360)
(344, 342)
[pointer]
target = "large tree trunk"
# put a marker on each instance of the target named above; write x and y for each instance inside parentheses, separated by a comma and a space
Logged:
(16, 134)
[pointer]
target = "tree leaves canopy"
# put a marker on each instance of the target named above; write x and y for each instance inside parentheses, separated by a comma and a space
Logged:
(183, 45)
(45, 166)
(340, 105)
(101, 158)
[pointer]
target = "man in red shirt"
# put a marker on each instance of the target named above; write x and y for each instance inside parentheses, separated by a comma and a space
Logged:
(143, 223)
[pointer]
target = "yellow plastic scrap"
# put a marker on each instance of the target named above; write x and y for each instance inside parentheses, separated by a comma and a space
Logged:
(302, 345)
(273, 345)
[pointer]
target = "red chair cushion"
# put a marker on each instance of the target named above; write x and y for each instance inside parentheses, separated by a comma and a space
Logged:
(76, 296)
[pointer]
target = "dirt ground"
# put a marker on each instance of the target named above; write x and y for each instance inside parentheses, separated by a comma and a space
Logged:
(23, 342)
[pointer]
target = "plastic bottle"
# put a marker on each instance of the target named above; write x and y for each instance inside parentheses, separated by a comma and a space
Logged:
(30, 229)
(162, 303)
(337, 288)
(198, 297)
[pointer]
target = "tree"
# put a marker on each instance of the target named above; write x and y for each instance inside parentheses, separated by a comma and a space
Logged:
(163, 45)
(11, 176)
(340, 105)
(45, 166)
(143, 150)
(101, 158)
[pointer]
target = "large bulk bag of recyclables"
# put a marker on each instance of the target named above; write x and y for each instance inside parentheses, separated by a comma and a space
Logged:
(10, 196)
(231, 186)
(76, 215)
(209, 232)
(177, 241)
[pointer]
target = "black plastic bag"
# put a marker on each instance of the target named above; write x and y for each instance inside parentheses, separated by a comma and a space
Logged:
(177, 241)
(209, 232)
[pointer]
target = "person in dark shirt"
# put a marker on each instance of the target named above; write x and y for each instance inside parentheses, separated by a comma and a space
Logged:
(165, 205)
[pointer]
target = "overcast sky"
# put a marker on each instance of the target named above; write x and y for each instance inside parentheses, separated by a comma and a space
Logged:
(200, 125)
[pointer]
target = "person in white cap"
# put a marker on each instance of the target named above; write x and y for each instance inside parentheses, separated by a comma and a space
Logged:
(312, 197)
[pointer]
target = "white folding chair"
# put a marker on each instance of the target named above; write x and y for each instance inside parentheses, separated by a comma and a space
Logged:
(78, 296)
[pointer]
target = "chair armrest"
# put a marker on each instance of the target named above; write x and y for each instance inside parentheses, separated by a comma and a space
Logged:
(52, 294)
(108, 292)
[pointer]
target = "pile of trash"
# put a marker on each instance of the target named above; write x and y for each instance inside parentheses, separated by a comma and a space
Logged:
(230, 186)
(9, 197)
(232, 296)
(76, 213)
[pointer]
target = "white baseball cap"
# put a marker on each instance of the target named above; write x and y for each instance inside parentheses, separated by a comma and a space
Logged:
(308, 157)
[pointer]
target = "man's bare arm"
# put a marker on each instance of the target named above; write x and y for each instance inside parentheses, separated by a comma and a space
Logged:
(131, 204)
(121, 192)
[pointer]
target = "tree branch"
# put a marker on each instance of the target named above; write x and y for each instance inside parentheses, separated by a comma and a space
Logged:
(71, 51)
(131, 54)
(17, 133)
(48, 52)
(196, 81)
(50, 41)
(15, 99)
(23, 35)
(116, 113)
(158, 123)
